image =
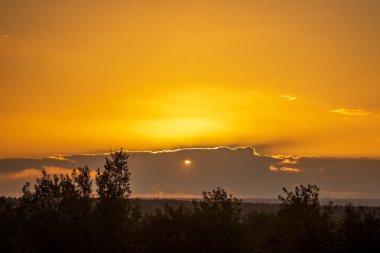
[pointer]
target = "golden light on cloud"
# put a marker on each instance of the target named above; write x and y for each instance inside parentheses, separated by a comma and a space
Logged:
(289, 161)
(289, 97)
(57, 170)
(58, 157)
(188, 162)
(273, 168)
(350, 112)
(34, 173)
(284, 169)
(24, 174)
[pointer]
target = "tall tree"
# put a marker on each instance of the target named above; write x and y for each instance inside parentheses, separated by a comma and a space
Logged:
(114, 206)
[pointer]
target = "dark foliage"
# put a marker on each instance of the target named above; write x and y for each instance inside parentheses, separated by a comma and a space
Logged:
(62, 214)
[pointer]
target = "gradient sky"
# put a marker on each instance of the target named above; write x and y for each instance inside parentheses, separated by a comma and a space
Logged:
(286, 77)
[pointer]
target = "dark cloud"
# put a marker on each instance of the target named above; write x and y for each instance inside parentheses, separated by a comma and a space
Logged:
(241, 171)
(20, 164)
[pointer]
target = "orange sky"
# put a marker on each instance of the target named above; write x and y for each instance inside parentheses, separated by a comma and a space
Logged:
(287, 77)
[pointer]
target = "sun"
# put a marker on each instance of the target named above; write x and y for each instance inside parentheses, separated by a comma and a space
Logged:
(187, 162)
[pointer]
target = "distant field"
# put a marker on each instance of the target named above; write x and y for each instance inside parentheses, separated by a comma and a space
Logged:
(324, 201)
(265, 205)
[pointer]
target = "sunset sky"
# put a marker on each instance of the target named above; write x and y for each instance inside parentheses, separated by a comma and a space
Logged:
(296, 78)
(290, 77)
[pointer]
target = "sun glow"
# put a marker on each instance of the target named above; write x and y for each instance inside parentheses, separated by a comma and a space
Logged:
(188, 162)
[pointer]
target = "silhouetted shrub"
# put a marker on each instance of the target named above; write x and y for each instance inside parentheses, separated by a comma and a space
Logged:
(359, 230)
(217, 223)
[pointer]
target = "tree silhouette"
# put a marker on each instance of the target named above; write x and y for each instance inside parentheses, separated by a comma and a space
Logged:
(216, 225)
(359, 230)
(167, 230)
(57, 214)
(113, 181)
(117, 213)
(302, 225)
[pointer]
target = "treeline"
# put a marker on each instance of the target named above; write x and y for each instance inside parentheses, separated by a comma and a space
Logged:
(65, 214)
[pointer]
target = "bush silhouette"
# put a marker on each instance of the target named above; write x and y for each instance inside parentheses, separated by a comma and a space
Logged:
(359, 230)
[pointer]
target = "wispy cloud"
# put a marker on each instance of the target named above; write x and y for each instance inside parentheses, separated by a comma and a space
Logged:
(27, 173)
(289, 169)
(289, 97)
(58, 157)
(350, 112)
(30, 173)
(57, 170)
(63, 171)
(5, 36)
(288, 161)
(283, 169)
